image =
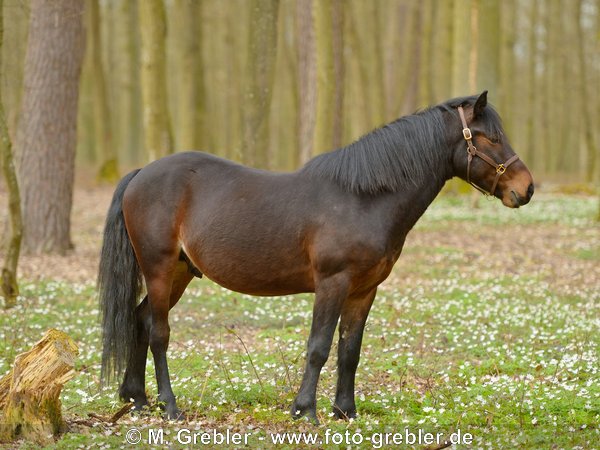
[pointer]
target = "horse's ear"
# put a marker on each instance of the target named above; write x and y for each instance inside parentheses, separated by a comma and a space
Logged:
(480, 103)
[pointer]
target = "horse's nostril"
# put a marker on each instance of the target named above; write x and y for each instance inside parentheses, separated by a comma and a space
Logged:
(530, 190)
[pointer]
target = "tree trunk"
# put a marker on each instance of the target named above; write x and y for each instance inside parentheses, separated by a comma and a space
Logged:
(488, 47)
(508, 33)
(188, 125)
(157, 130)
(16, 28)
(262, 42)
(586, 113)
(30, 392)
(442, 50)
(8, 283)
(47, 133)
(337, 28)
(109, 167)
(461, 48)
(124, 87)
(425, 85)
(323, 132)
(530, 131)
(307, 79)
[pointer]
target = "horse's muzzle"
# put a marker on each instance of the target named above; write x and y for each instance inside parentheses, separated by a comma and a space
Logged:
(518, 200)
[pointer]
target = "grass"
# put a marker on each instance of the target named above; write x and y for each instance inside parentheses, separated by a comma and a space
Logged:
(488, 325)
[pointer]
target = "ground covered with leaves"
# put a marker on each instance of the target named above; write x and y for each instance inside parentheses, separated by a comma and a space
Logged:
(489, 324)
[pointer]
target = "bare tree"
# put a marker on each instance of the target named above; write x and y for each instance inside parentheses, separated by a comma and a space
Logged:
(47, 130)
(157, 129)
(307, 80)
(262, 43)
(8, 284)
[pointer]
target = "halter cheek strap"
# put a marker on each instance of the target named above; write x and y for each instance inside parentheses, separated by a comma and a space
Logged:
(472, 151)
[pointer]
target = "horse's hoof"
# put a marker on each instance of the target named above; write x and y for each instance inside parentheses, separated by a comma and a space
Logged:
(140, 408)
(309, 413)
(344, 413)
(175, 414)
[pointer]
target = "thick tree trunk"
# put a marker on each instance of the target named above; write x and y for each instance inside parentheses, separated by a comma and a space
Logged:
(462, 40)
(262, 49)
(588, 127)
(323, 132)
(47, 132)
(109, 167)
(188, 126)
(8, 283)
(488, 46)
(157, 130)
(30, 392)
(307, 79)
(338, 72)
(124, 88)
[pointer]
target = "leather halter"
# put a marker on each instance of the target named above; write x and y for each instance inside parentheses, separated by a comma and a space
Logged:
(472, 151)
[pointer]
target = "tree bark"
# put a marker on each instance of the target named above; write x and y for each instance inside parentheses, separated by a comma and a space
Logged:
(337, 28)
(323, 132)
(488, 47)
(442, 50)
(16, 29)
(47, 132)
(109, 167)
(30, 392)
(8, 284)
(307, 79)
(157, 129)
(592, 150)
(262, 42)
(124, 87)
(461, 48)
(189, 83)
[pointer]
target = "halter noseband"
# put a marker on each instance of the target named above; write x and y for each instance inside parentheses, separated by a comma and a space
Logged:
(472, 151)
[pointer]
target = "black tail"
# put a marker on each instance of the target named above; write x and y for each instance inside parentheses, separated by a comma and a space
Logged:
(120, 285)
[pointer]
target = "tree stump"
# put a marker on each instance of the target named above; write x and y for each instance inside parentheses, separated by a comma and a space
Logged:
(30, 392)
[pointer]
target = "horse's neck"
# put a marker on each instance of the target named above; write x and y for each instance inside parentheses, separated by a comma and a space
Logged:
(409, 206)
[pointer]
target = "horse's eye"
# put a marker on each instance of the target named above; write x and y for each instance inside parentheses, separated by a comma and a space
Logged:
(494, 139)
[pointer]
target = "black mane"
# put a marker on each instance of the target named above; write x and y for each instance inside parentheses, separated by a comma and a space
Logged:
(402, 153)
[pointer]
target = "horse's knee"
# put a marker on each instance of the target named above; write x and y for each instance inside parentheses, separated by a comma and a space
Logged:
(348, 356)
(318, 355)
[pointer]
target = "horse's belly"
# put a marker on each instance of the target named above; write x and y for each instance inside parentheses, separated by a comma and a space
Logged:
(250, 269)
(255, 280)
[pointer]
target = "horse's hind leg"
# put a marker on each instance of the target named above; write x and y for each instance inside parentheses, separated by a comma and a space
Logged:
(134, 382)
(352, 325)
(163, 284)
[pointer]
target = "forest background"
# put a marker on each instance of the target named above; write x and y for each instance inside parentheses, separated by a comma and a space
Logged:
(93, 88)
(273, 82)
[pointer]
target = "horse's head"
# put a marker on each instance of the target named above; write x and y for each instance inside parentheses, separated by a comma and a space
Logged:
(483, 156)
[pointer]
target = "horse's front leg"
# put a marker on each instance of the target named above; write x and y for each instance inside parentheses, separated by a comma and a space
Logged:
(329, 296)
(352, 325)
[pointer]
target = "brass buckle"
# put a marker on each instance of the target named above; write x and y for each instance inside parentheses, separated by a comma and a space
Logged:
(467, 134)
(500, 169)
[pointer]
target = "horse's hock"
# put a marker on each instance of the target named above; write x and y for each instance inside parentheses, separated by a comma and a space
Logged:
(30, 392)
